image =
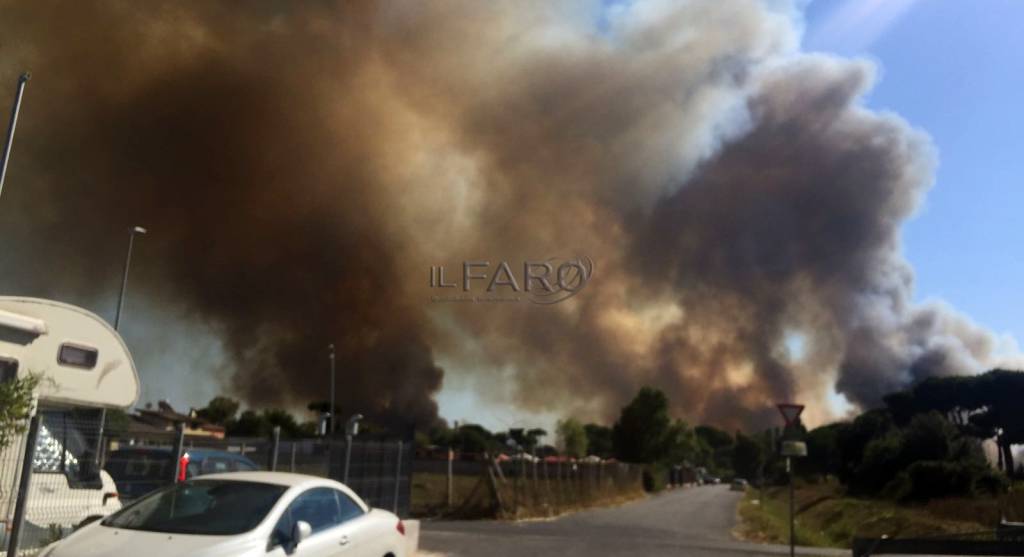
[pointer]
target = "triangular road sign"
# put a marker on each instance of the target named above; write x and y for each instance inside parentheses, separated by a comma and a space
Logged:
(790, 412)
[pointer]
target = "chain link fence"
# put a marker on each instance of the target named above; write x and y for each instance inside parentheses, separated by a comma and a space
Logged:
(68, 484)
(519, 487)
(78, 476)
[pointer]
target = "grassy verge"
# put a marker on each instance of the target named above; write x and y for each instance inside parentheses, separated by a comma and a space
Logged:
(545, 499)
(826, 518)
(526, 499)
(430, 493)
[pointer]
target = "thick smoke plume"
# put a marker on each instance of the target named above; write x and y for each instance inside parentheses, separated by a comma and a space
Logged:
(303, 165)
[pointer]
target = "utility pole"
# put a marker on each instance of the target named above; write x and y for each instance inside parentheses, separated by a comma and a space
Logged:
(19, 93)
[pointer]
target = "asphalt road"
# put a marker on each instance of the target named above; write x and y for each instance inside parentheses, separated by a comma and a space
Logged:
(694, 522)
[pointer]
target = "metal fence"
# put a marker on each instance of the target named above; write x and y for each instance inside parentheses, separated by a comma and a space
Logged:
(67, 482)
(379, 471)
(518, 487)
(77, 475)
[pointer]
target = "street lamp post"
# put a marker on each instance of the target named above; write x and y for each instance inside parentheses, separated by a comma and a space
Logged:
(20, 92)
(117, 323)
(124, 278)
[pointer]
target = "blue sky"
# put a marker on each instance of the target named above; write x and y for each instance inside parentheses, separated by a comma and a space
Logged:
(954, 69)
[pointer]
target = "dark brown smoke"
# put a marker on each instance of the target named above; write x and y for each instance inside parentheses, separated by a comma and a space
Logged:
(303, 165)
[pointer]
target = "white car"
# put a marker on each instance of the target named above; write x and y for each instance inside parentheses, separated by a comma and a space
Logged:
(242, 514)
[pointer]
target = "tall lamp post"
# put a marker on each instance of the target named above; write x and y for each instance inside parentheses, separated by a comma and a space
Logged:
(791, 448)
(117, 324)
(124, 278)
(19, 93)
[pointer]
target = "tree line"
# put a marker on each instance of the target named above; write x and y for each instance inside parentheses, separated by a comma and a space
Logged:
(925, 441)
(644, 433)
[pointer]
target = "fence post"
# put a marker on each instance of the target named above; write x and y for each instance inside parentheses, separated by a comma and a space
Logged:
(293, 457)
(99, 439)
(179, 448)
(515, 491)
(348, 458)
(489, 468)
(451, 456)
(104, 443)
(275, 446)
(398, 477)
(23, 484)
(546, 493)
(559, 486)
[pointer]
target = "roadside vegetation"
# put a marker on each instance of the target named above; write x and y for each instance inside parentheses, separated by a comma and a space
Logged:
(915, 467)
(936, 458)
(15, 406)
(828, 517)
(521, 498)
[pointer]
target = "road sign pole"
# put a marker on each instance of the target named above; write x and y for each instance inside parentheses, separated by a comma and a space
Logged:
(791, 414)
(792, 515)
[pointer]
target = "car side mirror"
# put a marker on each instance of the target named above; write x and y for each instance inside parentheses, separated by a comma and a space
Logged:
(300, 531)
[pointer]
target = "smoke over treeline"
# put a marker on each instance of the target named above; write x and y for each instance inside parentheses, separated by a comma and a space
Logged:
(302, 165)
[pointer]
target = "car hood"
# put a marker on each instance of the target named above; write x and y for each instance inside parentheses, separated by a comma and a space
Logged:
(96, 540)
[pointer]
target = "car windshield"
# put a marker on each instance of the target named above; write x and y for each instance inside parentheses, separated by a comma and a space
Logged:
(202, 507)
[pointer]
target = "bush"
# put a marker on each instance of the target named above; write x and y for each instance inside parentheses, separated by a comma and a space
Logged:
(928, 437)
(882, 461)
(15, 407)
(933, 479)
(991, 482)
(655, 477)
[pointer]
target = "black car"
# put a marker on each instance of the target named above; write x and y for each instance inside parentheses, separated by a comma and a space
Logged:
(139, 470)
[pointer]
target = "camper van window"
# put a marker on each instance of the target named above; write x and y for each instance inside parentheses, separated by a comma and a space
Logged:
(78, 356)
(67, 445)
(8, 369)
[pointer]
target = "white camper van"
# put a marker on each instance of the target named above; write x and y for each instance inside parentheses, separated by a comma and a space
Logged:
(84, 368)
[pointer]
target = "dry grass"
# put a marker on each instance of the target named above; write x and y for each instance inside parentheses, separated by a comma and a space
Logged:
(526, 498)
(826, 518)
(430, 494)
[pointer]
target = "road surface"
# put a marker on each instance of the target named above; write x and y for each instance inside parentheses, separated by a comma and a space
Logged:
(695, 522)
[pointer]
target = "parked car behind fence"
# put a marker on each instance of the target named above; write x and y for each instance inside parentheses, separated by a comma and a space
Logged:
(140, 470)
